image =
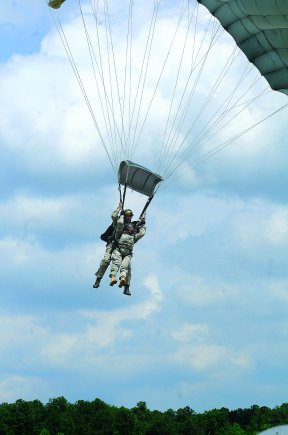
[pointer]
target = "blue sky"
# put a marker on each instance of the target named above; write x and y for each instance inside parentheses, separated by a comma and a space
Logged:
(206, 325)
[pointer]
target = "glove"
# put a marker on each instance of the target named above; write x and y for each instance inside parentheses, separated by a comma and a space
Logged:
(142, 221)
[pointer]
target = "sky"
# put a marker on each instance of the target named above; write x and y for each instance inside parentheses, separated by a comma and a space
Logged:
(206, 325)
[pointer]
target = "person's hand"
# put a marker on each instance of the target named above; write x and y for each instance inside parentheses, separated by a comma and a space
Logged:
(142, 219)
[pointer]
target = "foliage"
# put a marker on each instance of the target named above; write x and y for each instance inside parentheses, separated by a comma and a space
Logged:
(59, 417)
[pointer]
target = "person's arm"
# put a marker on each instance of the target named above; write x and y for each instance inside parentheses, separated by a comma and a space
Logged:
(115, 213)
(141, 231)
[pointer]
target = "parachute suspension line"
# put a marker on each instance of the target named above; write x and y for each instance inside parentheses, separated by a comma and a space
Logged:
(173, 141)
(228, 108)
(109, 109)
(100, 71)
(175, 88)
(109, 104)
(200, 140)
(193, 61)
(174, 131)
(228, 105)
(108, 27)
(109, 122)
(220, 147)
(67, 49)
(128, 63)
(214, 121)
(163, 157)
(143, 75)
(136, 141)
(199, 113)
(109, 72)
(109, 62)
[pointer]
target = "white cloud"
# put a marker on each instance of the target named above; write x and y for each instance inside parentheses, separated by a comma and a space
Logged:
(107, 327)
(13, 387)
(278, 227)
(191, 332)
(45, 117)
(202, 357)
(261, 223)
(20, 332)
(49, 252)
(199, 291)
(90, 333)
(214, 357)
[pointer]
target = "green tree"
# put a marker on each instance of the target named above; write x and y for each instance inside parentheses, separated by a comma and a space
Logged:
(59, 416)
(231, 429)
(215, 419)
(125, 421)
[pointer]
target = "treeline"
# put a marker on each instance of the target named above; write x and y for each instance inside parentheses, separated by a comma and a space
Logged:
(59, 417)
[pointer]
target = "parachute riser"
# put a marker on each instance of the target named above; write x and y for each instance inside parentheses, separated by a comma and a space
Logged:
(122, 198)
(146, 206)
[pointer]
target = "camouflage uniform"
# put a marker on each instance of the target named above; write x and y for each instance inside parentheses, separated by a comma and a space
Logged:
(106, 261)
(122, 254)
(107, 256)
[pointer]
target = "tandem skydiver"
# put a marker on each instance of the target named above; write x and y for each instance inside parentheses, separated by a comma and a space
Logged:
(120, 237)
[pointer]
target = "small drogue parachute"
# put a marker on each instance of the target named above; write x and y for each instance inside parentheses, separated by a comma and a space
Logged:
(260, 29)
(55, 4)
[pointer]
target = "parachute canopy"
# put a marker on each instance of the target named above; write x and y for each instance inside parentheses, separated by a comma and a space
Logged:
(260, 29)
(138, 178)
(55, 4)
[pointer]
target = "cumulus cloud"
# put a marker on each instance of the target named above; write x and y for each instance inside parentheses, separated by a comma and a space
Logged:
(212, 357)
(189, 332)
(197, 273)
(51, 105)
(31, 339)
(199, 291)
(17, 386)
(260, 224)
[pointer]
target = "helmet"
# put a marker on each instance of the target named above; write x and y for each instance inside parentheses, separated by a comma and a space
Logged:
(128, 212)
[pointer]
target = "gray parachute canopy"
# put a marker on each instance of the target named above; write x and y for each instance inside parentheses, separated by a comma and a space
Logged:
(260, 29)
(138, 178)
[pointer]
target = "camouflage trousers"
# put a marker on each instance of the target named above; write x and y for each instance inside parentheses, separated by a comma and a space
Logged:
(106, 260)
(122, 264)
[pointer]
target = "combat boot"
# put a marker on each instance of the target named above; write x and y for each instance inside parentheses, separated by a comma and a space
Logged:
(126, 290)
(122, 281)
(113, 279)
(97, 282)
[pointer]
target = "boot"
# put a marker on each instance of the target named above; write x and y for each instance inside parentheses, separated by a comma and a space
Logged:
(97, 282)
(126, 290)
(113, 279)
(122, 281)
